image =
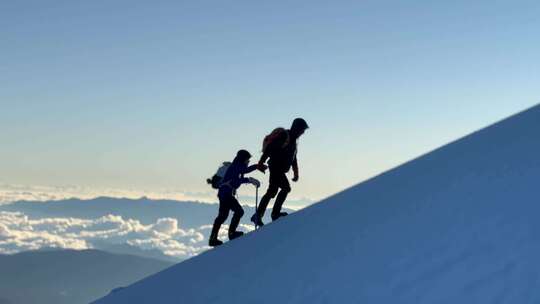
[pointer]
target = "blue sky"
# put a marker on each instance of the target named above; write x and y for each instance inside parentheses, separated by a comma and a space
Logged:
(133, 94)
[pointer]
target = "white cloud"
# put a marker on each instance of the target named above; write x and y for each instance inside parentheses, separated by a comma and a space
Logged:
(18, 232)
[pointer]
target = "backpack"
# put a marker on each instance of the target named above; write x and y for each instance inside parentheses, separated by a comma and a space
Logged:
(217, 180)
(275, 134)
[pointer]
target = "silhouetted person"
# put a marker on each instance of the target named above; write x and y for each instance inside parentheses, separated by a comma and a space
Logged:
(280, 148)
(233, 179)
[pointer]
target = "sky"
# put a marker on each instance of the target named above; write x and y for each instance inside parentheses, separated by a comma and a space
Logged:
(153, 96)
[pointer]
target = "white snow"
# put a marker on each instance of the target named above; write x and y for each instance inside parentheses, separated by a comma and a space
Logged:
(458, 225)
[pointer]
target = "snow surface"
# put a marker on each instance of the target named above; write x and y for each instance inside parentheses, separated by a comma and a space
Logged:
(458, 225)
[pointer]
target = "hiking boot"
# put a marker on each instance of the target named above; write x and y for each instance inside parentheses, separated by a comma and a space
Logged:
(214, 242)
(235, 234)
(276, 216)
(256, 219)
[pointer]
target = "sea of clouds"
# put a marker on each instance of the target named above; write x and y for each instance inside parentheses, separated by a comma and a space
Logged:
(19, 233)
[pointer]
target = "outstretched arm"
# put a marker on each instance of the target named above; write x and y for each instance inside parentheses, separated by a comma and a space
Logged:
(251, 169)
(261, 166)
(245, 170)
(264, 158)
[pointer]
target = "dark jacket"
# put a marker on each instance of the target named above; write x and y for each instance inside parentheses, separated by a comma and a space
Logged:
(234, 177)
(282, 153)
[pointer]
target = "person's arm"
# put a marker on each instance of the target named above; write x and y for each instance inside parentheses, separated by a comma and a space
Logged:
(250, 180)
(244, 169)
(295, 169)
(251, 169)
(264, 157)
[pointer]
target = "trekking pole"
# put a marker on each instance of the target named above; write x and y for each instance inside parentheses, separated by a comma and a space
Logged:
(256, 201)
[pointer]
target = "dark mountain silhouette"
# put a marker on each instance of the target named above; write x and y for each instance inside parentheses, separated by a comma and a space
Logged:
(68, 276)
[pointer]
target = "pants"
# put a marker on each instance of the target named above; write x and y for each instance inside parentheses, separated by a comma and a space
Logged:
(227, 202)
(278, 183)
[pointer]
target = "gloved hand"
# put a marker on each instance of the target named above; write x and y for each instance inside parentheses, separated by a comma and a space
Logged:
(295, 177)
(255, 182)
(262, 167)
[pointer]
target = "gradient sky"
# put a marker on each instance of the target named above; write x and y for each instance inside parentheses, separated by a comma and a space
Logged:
(154, 95)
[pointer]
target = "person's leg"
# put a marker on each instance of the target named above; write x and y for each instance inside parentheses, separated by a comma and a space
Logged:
(238, 213)
(220, 219)
(283, 183)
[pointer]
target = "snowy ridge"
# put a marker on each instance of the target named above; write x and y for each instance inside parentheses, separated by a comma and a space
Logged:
(457, 225)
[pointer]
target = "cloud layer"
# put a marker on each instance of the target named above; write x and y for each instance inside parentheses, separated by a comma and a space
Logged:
(18, 233)
(161, 234)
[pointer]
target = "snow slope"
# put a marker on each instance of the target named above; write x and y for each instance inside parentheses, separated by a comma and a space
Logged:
(457, 225)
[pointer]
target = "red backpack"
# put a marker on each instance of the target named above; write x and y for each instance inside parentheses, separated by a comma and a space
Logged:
(275, 134)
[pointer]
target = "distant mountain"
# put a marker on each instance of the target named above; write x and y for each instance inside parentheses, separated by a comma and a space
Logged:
(133, 250)
(69, 276)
